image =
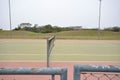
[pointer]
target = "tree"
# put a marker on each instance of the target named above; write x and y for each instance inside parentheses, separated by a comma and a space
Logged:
(44, 29)
(22, 25)
(116, 29)
(36, 28)
(57, 29)
(18, 28)
(0, 29)
(47, 29)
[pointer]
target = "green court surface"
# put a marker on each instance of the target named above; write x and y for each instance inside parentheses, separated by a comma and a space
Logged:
(64, 50)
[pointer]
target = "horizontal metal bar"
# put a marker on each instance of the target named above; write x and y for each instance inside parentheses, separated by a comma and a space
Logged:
(32, 71)
(98, 68)
(78, 69)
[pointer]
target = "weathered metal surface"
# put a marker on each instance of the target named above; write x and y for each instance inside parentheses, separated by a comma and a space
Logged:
(50, 45)
(35, 71)
(53, 77)
(78, 69)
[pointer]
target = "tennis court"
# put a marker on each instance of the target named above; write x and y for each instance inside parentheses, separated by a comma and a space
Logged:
(64, 50)
(65, 53)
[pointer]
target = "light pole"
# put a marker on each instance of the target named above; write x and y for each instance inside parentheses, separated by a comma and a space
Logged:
(99, 20)
(10, 15)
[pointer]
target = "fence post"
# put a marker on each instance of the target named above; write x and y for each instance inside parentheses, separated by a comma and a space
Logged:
(53, 77)
(64, 74)
(76, 73)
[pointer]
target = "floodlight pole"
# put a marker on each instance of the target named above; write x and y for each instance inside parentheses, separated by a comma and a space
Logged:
(10, 14)
(99, 20)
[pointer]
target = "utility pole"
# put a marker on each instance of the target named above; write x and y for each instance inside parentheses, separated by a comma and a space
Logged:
(10, 14)
(99, 21)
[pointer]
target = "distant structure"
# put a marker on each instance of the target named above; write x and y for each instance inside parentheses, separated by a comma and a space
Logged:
(22, 25)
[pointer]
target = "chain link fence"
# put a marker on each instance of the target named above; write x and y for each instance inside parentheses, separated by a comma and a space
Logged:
(96, 72)
(100, 76)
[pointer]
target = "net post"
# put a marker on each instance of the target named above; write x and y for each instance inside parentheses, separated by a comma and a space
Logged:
(50, 45)
(48, 65)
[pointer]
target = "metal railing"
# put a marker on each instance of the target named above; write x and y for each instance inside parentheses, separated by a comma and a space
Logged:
(81, 72)
(36, 71)
(96, 72)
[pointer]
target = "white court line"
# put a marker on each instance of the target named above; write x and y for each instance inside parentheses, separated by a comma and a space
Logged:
(54, 61)
(86, 55)
(22, 54)
(64, 54)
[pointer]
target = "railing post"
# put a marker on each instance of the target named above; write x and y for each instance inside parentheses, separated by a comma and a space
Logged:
(76, 73)
(64, 74)
(53, 77)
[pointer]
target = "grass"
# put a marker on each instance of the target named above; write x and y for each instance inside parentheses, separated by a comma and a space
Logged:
(89, 34)
(75, 34)
(64, 50)
(20, 34)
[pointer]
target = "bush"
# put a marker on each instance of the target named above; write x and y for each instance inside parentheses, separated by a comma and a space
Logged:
(0, 29)
(44, 29)
(115, 29)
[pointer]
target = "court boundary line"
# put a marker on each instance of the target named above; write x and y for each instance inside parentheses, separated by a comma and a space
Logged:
(54, 61)
(62, 54)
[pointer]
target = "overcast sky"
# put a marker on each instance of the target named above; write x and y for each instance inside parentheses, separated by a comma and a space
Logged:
(60, 13)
